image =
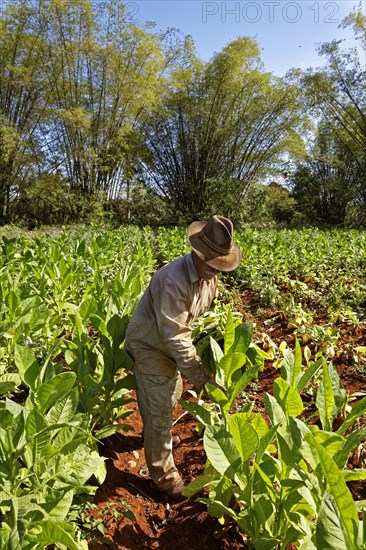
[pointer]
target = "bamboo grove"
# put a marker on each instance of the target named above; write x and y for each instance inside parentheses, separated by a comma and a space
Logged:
(103, 119)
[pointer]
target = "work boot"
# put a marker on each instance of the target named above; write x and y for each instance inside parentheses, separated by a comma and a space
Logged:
(176, 491)
(176, 441)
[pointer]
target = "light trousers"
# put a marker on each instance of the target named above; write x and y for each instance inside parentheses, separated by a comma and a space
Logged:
(157, 396)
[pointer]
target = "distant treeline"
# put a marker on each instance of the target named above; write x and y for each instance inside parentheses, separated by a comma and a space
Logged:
(105, 120)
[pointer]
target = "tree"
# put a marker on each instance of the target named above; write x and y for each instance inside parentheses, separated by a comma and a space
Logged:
(336, 95)
(220, 126)
(105, 72)
(323, 184)
(24, 94)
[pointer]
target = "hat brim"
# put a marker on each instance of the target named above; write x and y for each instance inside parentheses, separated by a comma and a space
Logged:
(226, 262)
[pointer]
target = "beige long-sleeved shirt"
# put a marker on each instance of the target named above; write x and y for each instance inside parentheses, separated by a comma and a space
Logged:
(159, 334)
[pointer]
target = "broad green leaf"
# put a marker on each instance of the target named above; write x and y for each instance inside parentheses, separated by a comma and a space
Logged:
(109, 430)
(352, 441)
(58, 505)
(308, 374)
(229, 364)
(229, 337)
(5, 533)
(199, 412)
(197, 485)
(216, 395)
(54, 390)
(329, 531)
(87, 308)
(219, 507)
(27, 365)
(217, 352)
(54, 533)
(6, 417)
(288, 398)
(64, 410)
(9, 382)
(274, 410)
(325, 400)
(34, 424)
(266, 543)
(234, 390)
(222, 453)
(101, 473)
(354, 475)
(99, 324)
(340, 396)
(243, 337)
(291, 365)
(331, 441)
(264, 442)
(342, 498)
(256, 420)
(244, 435)
(357, 411)
(12, 301)
(77, 470)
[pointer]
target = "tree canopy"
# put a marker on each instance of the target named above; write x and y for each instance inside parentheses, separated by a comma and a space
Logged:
(100, 116)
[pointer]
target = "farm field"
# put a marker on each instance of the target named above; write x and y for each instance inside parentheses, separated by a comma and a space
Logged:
(287, 338)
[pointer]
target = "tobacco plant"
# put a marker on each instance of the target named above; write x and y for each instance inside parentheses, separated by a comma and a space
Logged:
(283, 480)
(46, 457)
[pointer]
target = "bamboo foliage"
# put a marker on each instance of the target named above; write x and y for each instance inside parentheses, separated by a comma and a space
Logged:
(226, 121)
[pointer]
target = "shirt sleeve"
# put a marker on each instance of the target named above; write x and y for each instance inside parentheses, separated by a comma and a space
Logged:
(172, 311)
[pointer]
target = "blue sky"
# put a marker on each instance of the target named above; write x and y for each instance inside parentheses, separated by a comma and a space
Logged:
(287, 31)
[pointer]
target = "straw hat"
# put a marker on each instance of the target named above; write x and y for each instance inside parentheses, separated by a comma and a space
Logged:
(213, 242)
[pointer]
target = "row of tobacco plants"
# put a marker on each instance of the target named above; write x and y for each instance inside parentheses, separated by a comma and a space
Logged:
(284, 480)
(65, 301)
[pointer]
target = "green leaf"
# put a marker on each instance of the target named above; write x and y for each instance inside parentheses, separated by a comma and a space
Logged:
(54, 390)
(342, 498)
(291, 365)
(34, 424)
(325, 400)
(9, 382)
(243, 337)
(308, 374)
(239, 385)
(108, 430)
(357, 411)
(199, 412)
(229, 364)
(87, 308)
(217, 352)
(329, 531)
(58, 505)
(216, 395)
(274, 410)
(354, 475)
(101, 473)
(53, 533)
(352, 441)
(222, 453)
(27, 366)
(244, 435)
(266, 543)
(229, 337)
(64, 410)
(197, 485)
(288, 398)
(12, 301)
(218, 508)
(77, 470)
